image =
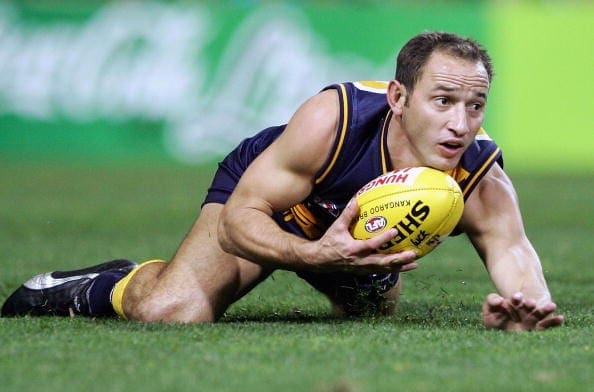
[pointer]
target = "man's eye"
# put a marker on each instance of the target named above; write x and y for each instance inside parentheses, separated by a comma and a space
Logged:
(476, 106)
(442, 100)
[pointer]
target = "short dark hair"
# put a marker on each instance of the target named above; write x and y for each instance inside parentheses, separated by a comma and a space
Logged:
(416, 52)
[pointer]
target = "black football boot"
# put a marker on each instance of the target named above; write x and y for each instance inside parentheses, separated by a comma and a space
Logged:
(60, 293)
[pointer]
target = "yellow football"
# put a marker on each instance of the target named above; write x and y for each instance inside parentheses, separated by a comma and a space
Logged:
(424, 204)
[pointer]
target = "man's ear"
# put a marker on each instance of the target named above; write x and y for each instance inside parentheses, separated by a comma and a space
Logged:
(396, 96)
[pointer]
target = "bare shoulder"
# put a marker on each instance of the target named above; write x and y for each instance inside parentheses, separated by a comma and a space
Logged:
(321, 108)
(494, 186)
(283, 174)
(312, 129)
(306, 142)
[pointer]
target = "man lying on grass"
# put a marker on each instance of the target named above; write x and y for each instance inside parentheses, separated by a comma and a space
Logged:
(282, 200)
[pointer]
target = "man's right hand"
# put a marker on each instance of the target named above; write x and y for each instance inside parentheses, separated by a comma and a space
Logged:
(337, 250)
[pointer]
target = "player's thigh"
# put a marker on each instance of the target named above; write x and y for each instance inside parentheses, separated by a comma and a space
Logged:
(201, 281)
(218, 273)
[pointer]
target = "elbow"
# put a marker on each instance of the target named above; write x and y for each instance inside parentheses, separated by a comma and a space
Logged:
(223, 237)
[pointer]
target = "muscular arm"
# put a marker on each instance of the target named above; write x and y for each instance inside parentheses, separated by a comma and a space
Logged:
(493, 222)
(494, 225)
(283, 176)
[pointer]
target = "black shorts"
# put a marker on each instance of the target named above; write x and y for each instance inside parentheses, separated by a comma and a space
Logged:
(234, 165)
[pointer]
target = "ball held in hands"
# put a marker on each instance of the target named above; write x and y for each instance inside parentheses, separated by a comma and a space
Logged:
(422, 203)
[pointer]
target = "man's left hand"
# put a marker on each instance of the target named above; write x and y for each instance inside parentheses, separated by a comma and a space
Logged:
(519, 314)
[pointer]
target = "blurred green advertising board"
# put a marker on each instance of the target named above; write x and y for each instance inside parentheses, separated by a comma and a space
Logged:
(186, 81)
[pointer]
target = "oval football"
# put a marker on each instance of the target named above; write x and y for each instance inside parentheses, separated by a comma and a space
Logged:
(424, 204)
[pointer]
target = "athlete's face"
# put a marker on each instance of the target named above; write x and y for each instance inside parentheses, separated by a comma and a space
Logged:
(442, 115)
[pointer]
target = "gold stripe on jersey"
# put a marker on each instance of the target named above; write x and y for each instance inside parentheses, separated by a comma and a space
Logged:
(307, 221)
(480, 172)
(341, 135)
(373, 86)
(459, 174)
(482, 134)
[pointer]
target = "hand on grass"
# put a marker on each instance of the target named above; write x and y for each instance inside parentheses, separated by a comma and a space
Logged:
(519, 314)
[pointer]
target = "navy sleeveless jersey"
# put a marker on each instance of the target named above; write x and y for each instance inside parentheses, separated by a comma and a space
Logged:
(359, 154)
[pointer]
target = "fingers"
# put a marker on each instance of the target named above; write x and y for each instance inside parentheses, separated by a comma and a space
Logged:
(544, 310)
(396, 262)
(405, 267)
(518, 313)
(495, 312)
(527, 311)
(399, 262)
(380, 239)
(516, 299)
(494, 300)
(350, 212)
(550, 322)
(370, 245)
(546, 316)
(404, 257)
(339, 251)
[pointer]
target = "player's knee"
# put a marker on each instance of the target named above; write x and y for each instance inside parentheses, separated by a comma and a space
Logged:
(148, 312)
(173, 311)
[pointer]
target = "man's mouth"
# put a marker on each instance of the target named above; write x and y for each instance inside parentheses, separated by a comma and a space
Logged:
(452, 146)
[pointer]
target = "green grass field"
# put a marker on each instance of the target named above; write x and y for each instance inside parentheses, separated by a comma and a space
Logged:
(281, 337)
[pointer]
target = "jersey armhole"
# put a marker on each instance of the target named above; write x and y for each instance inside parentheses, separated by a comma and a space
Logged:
(476, 175)
(343, 121)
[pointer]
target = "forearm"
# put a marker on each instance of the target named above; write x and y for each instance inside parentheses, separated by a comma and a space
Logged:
(255, 236)
(517, 268)
(494, 225)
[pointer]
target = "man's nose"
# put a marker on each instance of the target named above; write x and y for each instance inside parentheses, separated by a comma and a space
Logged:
(459, 120)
